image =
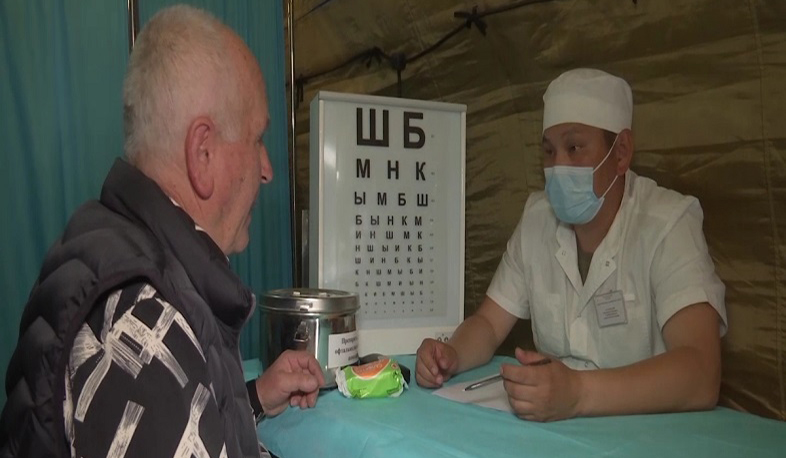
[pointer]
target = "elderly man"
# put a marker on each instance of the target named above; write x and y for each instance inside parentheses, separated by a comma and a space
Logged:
(129, 341)
(612, 270)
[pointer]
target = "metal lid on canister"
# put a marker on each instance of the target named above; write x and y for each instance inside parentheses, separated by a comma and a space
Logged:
(310, 300)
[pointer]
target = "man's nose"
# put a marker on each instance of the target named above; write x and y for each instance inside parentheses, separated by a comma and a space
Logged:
(266, 168)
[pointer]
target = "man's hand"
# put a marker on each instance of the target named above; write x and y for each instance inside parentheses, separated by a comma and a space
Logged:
(544, 392)
(293, 379)
(436, 363)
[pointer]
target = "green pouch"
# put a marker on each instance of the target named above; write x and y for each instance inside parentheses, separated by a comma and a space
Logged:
(377, 379)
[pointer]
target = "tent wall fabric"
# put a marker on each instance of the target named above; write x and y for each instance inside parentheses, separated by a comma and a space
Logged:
(709, 121)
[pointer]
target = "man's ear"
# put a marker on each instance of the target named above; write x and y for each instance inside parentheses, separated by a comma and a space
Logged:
(200, 159)
(624, 151)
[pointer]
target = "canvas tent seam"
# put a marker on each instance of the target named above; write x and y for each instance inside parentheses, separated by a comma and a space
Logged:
(774, 226)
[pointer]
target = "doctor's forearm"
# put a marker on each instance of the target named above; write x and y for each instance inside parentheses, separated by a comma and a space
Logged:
(682, 379)
(474, 342)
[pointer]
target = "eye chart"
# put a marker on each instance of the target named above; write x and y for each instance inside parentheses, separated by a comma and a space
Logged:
(387, 214)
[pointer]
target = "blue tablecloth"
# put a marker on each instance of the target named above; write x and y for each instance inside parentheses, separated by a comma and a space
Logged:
(419, 424)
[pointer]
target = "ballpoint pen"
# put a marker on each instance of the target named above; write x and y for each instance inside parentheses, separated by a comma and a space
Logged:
(498, 377)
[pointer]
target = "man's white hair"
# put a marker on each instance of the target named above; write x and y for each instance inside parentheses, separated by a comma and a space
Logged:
(178, 70)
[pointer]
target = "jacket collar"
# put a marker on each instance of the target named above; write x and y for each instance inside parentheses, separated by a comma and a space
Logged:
(132, 194)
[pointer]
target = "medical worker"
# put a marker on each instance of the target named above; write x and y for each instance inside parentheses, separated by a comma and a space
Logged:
(611, 269)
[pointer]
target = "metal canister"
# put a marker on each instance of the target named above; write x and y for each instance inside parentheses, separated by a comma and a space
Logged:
(320, 321)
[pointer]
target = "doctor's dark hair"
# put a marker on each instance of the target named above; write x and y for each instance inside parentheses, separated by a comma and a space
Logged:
(608, 137)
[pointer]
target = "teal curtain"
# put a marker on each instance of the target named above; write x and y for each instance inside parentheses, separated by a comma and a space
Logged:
(61, 70)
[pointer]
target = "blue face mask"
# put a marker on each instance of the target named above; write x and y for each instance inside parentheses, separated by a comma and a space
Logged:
(571, 191)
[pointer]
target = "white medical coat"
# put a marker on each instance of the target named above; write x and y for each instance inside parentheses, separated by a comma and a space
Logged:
(654, 253)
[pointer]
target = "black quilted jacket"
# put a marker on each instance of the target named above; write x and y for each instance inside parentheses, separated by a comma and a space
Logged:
(132, 233)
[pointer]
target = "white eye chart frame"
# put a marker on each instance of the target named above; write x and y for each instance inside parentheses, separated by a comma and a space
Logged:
(386, 217)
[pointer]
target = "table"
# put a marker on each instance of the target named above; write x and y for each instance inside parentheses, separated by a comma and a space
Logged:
(419, 424)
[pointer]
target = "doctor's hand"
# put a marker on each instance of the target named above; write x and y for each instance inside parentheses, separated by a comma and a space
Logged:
(293, 379)
(436, 363)
(541, 392)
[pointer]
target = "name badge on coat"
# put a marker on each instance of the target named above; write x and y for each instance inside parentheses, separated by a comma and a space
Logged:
(610, 308)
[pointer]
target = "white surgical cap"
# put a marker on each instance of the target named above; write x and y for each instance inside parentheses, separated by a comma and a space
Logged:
(590, 97)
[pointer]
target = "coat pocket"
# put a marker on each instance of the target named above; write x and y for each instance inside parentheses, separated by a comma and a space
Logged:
(548, 323)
